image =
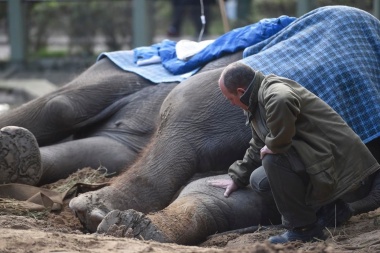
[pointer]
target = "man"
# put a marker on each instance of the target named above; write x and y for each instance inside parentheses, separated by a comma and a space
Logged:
(309, 155)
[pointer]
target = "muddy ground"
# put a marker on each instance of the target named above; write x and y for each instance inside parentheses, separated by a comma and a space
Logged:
(52, 231)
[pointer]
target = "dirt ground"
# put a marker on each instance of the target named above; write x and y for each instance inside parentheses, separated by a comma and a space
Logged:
(25, 231)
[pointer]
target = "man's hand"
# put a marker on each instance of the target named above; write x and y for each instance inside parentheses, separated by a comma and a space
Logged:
(227, 184)
(265, 150)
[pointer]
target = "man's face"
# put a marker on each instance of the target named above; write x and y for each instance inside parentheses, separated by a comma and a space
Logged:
(233, 98)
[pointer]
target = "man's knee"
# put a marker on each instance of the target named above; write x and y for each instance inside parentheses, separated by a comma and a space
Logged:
(259, 180)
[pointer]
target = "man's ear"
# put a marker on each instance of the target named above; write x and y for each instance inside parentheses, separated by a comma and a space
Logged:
(240, 91)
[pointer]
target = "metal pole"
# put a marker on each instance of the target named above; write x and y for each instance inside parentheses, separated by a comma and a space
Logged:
(17, 35)
(141, 18)
(376, 8)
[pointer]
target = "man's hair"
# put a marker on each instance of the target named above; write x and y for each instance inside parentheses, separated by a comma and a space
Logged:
(237, 75)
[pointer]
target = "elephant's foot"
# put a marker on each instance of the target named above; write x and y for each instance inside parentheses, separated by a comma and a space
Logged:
(20, 158)
(92, 207)
(132, 224)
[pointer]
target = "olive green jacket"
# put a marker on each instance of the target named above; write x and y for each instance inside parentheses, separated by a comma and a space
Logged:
(283, 114)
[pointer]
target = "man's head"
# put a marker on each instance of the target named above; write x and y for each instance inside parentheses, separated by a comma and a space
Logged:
(234, 81)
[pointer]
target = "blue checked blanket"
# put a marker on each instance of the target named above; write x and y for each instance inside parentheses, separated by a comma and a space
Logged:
(334, 52)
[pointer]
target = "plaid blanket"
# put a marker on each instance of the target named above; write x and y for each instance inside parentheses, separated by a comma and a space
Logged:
(334, 52)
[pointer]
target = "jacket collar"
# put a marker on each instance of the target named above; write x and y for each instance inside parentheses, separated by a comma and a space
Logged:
(249, 98)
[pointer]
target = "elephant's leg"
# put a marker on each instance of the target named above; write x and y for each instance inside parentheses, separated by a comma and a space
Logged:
(199, 211)
(90, 97)
(60, 160)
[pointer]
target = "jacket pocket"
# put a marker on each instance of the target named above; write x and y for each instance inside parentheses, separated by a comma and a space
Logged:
(322, 179)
